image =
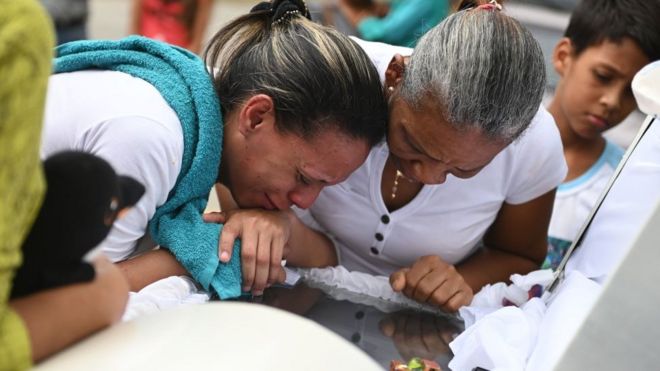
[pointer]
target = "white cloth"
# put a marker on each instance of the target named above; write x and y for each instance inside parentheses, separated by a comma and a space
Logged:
(125, 121)
(530, 336)
(447, 220)
(168, 293)
(500, 341)
(362, 288)
(572, 302)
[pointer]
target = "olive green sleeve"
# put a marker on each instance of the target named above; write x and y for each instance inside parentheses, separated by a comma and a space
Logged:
(26, 41)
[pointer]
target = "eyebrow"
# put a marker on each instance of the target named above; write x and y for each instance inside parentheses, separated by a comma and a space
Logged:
(419, 149)
(314, 179)
(610, 68)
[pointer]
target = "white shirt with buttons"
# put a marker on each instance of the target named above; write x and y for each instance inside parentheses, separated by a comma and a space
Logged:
(447, 220)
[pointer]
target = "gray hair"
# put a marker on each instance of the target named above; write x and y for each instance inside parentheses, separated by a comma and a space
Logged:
(484, 70)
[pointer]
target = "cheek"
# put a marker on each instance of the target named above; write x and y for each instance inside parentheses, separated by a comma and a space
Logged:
(628, 104)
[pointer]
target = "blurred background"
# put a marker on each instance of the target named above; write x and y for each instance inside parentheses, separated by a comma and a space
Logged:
(547, 19)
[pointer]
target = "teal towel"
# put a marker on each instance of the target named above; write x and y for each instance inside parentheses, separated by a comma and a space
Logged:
(182, 79)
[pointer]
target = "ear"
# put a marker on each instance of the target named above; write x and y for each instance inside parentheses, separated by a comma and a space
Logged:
(394, 72)
(562, 56)
(257, 112)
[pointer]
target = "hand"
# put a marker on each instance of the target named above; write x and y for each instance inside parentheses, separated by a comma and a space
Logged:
(431, 280)
(110, 281)
(264, 235)
(418, 334)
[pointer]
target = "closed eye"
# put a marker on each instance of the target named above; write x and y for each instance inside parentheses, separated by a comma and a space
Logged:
(603, 78)
(303, 179)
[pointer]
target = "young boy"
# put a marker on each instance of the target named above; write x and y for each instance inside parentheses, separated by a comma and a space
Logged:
(604, 46)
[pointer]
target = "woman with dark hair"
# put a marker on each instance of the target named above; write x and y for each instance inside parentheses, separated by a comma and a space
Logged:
(291, 107)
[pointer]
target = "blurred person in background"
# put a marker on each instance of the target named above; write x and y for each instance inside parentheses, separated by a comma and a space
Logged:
(70, 18)
(177, 22)
(396, 22)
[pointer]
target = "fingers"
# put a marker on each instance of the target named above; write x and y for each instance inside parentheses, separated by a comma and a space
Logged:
(418, 272)
(230, 232)
(431, 280)
(455, 302)
(398, 279)
(452, 294)
(249, 242)
(281, 275)
(215, 217)
(262, 265)
(264, 235)
(276, 256)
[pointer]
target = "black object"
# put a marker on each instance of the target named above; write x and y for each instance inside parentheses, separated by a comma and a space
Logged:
(84, 196)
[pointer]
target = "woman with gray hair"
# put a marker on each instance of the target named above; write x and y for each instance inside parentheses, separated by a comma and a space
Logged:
(461, 193)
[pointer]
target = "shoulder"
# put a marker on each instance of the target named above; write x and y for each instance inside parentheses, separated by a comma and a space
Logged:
(543, 124)
(538, 162)
(541, 137)
(612, 153)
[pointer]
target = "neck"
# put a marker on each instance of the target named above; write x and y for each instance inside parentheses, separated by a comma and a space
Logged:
(406, 190)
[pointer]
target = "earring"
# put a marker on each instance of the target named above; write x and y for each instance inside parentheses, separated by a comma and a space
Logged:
(390, 88)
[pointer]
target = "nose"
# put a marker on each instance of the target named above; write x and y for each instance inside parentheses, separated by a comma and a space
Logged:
(304, 196)
(612, 98)
(429, 172)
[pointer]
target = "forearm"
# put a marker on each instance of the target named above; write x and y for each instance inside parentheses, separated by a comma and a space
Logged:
(488, 266)
(136, 15)
(199, 25)
(150, 267)
(59, 317)
(308, 247)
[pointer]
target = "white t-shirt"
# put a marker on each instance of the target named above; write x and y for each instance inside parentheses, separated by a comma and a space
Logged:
(125, 121)
(574, 201)
(447, 220)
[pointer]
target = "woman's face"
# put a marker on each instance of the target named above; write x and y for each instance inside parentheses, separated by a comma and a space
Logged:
(272, 170)
(426, 148)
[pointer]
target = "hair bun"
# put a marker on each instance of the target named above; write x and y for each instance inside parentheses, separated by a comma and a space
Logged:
(281, 10)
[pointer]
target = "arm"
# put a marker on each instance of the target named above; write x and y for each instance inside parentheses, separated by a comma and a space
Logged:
(150, 267)
(199, 25)
(515, 243)
(309, 247)
(268, 236)
(136, 16)
(59, 317)
(302, 241)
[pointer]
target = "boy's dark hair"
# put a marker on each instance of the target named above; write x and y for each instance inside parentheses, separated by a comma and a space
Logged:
(595, 21)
